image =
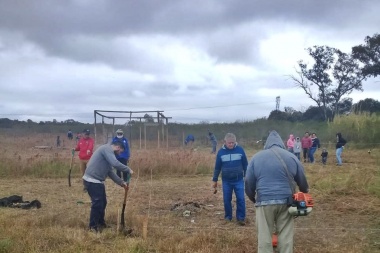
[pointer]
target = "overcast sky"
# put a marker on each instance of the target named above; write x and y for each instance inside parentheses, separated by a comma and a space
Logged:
(198, 60)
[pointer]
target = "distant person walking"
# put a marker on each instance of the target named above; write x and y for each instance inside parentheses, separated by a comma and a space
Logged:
(340, 142)
(290, 143)
(58, 141)
(99, 167)
(232, 162)
(123, 156)
(306, 144)
(70, 135)
(85, 146)
(267, 185)
(213, 140)
(297, 148)
(314, 146)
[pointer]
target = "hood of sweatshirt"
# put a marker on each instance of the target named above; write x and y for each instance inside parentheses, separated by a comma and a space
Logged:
(274, 139)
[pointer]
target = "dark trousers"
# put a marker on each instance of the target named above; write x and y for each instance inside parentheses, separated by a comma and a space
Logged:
(98, 197)
(305, 152)
(118, 172)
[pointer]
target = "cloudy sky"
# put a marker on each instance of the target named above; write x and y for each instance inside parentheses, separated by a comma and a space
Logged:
(198, 60)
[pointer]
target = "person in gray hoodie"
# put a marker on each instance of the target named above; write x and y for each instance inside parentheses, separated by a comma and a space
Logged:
(297, 148)
(98, 168)
(268, 186)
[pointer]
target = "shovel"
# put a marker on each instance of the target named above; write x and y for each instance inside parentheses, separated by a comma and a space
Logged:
(124, 230)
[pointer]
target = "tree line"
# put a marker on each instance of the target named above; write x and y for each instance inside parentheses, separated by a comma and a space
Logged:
(314, 113)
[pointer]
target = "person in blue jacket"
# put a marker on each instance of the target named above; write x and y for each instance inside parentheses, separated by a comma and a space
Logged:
(189, 140)
(232, 162)
(123, 157)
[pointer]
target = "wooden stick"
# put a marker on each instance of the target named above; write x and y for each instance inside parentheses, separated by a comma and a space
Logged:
(145, 228)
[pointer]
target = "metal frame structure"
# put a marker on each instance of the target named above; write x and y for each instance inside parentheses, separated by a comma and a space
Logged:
(159, 120)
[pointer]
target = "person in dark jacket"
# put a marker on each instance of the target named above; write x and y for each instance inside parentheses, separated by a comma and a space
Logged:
(324, 155)
(268, 185)
(232, 162)
(340, 142)
(314, 146)
(58, 141)
(213, 140)
(123, 157)
(70, 134)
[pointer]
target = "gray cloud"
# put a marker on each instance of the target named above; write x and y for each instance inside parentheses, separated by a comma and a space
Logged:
(66, 58)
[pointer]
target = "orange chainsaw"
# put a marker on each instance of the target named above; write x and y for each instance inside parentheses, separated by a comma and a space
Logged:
(302, 204)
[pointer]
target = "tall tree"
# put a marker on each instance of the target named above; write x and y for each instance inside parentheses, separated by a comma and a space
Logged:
(317, 76)
(348, 76)
(369, 55)
(333, 75)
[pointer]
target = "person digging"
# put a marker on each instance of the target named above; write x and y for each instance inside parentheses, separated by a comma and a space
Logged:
(98, 168)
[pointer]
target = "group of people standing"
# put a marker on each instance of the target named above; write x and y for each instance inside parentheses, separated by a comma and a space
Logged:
(309, 144)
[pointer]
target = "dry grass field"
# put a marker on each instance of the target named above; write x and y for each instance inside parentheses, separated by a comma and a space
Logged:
(346, 217)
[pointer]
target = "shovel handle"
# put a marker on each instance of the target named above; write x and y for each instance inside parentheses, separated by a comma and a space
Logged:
(125, 196)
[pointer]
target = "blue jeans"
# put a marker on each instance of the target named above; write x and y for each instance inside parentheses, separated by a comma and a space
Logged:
(338, 155)
(98, 197)
(311, 153)
(238, 188)
(298, 155)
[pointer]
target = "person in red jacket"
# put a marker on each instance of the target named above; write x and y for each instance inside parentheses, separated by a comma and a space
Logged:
(85, 146)
(306, 143)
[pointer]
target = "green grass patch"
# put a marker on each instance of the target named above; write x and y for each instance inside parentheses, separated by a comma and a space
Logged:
(5, 245)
